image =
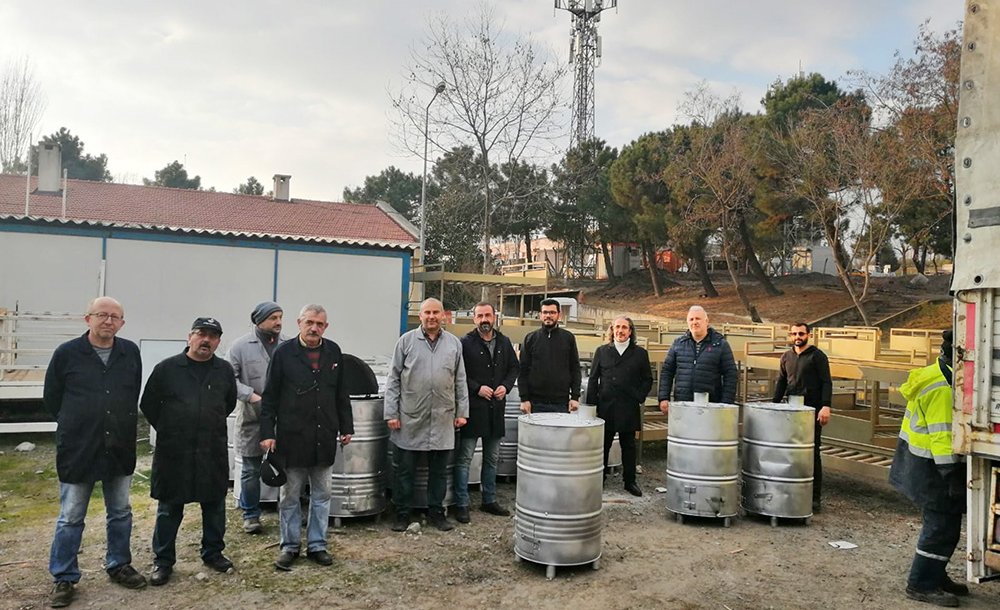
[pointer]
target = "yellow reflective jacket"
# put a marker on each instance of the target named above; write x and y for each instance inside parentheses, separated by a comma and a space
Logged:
(927, 423)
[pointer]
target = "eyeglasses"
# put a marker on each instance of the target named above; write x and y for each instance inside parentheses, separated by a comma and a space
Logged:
(102, 316)
(798, 334)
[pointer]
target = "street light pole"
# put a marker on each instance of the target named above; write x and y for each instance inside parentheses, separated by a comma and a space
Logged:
(423, 182)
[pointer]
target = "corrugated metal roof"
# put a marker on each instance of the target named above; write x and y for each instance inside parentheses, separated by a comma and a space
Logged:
(103, 204)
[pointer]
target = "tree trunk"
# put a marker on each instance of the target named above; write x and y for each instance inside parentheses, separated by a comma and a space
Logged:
(844, 273)
(527, 247)
(647, 253)
(753, 262)
(706, 279)
(923, 260)
(740, 292)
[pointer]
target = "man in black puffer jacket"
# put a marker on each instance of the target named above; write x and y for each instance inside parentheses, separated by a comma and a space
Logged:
(698, 361)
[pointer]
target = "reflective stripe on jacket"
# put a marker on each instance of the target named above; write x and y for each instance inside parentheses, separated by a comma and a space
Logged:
(926, 425)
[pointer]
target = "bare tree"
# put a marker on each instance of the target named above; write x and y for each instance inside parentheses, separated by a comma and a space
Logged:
(502, 97)
(21, 107)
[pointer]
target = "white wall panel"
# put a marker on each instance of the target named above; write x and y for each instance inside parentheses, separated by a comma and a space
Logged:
(362, 296)
(164, 286)
(56, 273)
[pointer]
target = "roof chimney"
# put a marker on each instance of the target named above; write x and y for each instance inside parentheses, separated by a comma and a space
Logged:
(281, 188)
(49, 168)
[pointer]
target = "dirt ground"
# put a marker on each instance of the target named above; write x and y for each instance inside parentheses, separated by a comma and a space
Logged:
(648, 561)
(806, 296)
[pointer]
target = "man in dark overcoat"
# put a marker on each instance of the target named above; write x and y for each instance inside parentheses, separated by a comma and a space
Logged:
(620, 379)
(186, 400)
(305, 413)
(490, 372)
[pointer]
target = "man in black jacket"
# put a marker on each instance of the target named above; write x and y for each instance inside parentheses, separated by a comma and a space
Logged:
(550, 366)
(490, 371)
(186, 400)
(305, 412)
(805, 371)
(92, 389)
(619, 380)
(699, 361)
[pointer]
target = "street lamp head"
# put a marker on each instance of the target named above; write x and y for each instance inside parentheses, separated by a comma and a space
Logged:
(440, 88)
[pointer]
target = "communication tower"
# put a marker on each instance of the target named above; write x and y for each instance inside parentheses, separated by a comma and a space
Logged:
(585, 55)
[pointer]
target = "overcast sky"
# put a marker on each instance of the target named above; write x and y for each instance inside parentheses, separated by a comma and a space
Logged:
(259, 87)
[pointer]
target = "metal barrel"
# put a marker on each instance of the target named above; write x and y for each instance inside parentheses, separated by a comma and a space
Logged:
(703, 459)
(267, 493)
(615, 453)
(778, 459)
(359, 480)
(558, 519)
(507, 462)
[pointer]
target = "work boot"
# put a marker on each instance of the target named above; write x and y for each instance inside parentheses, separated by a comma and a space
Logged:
(160, 575)
(218, 562)
(439, 521)
(126, 576)
(320, 557)
(633, 489)
(462, 514)
(252, 526)
(62, 594)
(955, 588)
(494, 508)
(284, 561)
(936, 597)
(401, 522)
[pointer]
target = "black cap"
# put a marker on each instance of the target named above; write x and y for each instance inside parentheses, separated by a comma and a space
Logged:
(207, 324)
(263, 311)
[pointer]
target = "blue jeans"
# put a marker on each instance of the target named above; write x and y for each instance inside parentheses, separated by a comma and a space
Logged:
(488, 478)
(168, 521)
(550, 407)
(74, 498)
(320, 479)
(250, 486)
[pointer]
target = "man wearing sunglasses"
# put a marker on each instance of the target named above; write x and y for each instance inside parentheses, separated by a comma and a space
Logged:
(805, 371)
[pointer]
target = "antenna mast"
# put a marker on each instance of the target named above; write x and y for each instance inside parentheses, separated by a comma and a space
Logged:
(585, 54)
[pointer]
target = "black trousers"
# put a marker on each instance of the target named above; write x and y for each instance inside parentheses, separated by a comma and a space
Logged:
(626, 439)
(168, 521)
(406, 473)
(939, 536)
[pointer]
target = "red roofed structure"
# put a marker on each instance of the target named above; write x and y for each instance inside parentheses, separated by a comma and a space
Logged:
(169, 209)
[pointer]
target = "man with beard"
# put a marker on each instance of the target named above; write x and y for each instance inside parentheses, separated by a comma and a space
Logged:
(805, 371)
(490, 370)
(426, 398)
(620, 378)
(699, 361)
(250, 355)
(305, 411)
(550, 366)
(186, 400)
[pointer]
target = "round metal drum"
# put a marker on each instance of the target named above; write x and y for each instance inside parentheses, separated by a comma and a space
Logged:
(703, 459)
(267, 493)
(507, 462)
(358, 487)
(560, 461)
(778, 459)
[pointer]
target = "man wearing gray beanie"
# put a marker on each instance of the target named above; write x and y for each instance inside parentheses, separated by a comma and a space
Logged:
(250, 355)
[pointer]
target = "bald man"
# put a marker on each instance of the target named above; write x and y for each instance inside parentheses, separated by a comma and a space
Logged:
(426, 398)
(699, 361)
(92, 390)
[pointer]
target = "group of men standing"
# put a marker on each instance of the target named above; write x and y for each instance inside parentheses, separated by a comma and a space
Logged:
(294, 407)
